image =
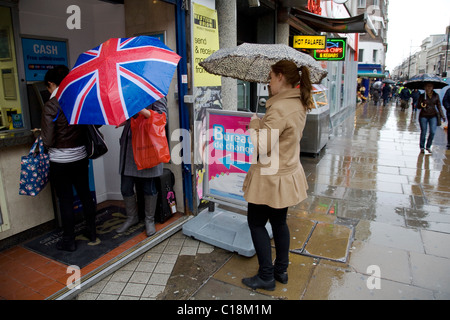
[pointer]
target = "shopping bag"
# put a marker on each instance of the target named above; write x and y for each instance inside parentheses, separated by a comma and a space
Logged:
(35, 169)
(149, 141)
(96, 145)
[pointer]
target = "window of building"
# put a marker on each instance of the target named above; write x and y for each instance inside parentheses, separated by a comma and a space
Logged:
(362, 4)
(361, 55)
(375, 55)
(11, 113)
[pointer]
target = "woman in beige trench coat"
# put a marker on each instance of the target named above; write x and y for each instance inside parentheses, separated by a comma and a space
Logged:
(277, 180)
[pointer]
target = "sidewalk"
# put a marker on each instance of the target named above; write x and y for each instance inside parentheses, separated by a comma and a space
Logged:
(372, 178)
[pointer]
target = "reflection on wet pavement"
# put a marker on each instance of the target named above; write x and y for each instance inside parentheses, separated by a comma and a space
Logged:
(371, 179)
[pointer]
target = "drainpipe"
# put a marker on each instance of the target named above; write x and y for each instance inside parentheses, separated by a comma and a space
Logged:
(184, 111)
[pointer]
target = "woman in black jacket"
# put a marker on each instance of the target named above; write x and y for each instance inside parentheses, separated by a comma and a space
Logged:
(69, 165)
(430, 110)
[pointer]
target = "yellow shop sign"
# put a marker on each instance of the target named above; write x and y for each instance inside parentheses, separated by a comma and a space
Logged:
(310, 42)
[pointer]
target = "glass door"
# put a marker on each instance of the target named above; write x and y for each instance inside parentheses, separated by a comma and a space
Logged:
(11, 112)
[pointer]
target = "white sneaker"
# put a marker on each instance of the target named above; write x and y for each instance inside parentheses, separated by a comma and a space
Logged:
(428, 151)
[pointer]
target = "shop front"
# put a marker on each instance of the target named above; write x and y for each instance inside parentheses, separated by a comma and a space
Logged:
(36, 35)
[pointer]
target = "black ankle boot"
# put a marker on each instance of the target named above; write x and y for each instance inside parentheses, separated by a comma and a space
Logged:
(281, 277)
(257, 283)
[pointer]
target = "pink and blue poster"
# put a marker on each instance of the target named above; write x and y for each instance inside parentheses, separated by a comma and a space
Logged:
(229, 154)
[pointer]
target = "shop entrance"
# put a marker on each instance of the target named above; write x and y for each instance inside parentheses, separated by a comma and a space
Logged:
(11, 115)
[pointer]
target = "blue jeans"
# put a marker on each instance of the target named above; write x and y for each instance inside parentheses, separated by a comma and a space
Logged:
(424, 124)
(128, 182)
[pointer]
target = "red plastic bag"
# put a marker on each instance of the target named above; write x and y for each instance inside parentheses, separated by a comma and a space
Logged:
(149, 141)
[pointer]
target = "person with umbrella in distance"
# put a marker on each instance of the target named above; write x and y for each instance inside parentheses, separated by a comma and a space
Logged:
(446, 103)
(430, 112)
(69, 165)
(405, 94)
(270, 189)
(130, 175)
(386, 93)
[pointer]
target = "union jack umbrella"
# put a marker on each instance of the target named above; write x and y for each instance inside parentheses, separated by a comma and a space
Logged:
(114, 81)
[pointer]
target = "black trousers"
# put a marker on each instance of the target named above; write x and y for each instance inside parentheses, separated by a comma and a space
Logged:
(257, 217)
(63, 176)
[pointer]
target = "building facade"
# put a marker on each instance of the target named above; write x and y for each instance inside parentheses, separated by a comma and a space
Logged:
(432, 57)
(373, 48)
(57, 31)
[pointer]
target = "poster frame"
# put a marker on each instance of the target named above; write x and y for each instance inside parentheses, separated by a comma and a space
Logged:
(207, 195)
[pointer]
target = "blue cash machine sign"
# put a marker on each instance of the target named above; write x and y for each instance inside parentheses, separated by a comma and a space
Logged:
(40, 55)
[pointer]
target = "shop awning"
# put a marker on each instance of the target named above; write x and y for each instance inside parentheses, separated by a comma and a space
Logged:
(370, 71)
(356, 24)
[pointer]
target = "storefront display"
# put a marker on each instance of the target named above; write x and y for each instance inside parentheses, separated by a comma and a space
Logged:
(315, 134)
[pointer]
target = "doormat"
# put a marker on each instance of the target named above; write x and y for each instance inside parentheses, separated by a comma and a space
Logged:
(107, 221)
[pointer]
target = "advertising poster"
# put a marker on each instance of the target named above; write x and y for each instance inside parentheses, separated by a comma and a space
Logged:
(229, 155)
(40, 55)
(205, 42)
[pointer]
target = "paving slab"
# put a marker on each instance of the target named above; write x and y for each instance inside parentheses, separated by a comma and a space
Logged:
(299, 272)
(328, 283)
(329, 241)
(393, 263)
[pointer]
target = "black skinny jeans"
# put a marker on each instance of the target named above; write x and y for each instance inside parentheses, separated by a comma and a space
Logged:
(257, 217)
(63, 176)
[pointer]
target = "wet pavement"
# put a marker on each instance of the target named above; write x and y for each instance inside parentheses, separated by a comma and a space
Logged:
(376, 225)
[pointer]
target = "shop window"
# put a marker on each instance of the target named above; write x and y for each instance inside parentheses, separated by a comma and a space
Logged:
(11, 112)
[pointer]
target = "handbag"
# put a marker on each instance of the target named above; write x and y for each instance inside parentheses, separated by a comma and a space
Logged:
(35, 169)
(96, 145)
(150, 146)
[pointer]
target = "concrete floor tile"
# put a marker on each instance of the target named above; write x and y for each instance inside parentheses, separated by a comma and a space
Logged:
(389, 235)
(133, 289)
(114, 288)
(159, 279)
(329, 241)
(140, 277)
(151, 257)
(218, 290)
(299, 272)
(104, 296)
(336, 284)
(146, 266)
(189, 251)
(299, 230)
(121, 276)
(163, 267)
(393, 263)
(152, 291)
(430, 272)
(436, 243)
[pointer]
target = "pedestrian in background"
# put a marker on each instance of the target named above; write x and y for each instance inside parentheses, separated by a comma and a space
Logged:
(270, 191)
(386, 92)
(415, 99)
(130, 175)
(429, 116)
(69, 165)
(405, 95)
(446, 103)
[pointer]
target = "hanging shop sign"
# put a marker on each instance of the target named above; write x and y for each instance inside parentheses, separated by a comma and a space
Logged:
(205, 43)
(40, 55)
(334, 51)
(310, 42)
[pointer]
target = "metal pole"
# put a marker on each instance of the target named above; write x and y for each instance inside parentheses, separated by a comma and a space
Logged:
(184, 111)
(444, 74)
